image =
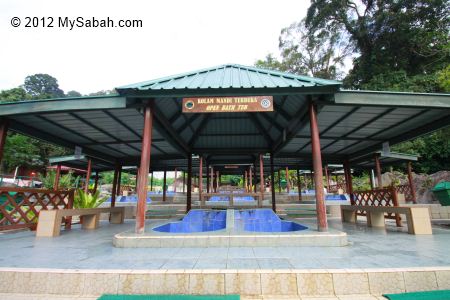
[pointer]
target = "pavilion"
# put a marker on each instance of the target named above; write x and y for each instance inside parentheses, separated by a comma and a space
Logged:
(312, 123)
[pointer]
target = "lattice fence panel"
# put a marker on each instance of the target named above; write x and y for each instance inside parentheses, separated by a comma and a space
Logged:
(405, 189)
(378, 197)
(19, 207)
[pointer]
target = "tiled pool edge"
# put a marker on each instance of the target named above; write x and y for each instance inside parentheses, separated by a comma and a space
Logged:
(294, 282)
(228, 239)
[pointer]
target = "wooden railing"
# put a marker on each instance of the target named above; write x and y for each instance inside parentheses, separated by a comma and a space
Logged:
(378, 197)
(19, 207)
(405, 189)
(335, 187)
(127, 188)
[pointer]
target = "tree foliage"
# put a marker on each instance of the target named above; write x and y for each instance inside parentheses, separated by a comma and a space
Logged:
(73, 94)
(22, 151)
(409, 36)
(42, 86)
(14, 95)
(66, 181)
(104, 93)
(319, 53)
(434, 151)
(400, 46)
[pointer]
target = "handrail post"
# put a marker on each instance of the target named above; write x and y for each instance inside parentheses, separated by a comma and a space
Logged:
(398, 220)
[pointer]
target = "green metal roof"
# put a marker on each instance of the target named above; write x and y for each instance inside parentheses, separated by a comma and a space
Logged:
(229, 76)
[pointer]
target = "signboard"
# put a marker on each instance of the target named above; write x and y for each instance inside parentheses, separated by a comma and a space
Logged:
(228, 104)
(231, 167)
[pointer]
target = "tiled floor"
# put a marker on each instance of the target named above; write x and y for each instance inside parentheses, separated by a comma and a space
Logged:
(62, 297)
(369, 248)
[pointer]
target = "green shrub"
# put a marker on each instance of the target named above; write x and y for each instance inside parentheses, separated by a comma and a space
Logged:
(66, 181)
(87, 200)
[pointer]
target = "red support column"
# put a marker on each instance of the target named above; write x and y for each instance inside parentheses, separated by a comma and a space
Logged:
(250, 177)
(279, 181)
(211, 181)
(349, 181)
(217, 181)
(411, 183)
(144, 170)
(3, 131)
(164, 185)
(288, 184)
(261, 180)
(184, 181)
(378, 170)
(299, 185)
(119, 180)
(318, 176)
(96, 182)
(175, 182)
(189, 185)
(245, 181)
(371, 180)
(207, 179)
(57, 175)
(200, 178)
(114, 186)
(272, 185)
(88, 176)
(136, 180)
(327, 178)
(254, 178)
(151, 183)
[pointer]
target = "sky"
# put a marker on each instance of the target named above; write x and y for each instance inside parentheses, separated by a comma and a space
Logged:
(176, 36)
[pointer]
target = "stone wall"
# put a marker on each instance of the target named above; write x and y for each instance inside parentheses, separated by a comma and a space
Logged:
(278, 284)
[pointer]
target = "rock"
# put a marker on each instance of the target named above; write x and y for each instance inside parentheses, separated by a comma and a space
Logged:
(423, 183)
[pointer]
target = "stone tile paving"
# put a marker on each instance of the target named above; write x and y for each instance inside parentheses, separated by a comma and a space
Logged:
(278, 297)
(84, 249)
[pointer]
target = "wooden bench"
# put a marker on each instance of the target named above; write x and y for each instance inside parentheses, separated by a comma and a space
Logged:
(417, 218)
(49, 223)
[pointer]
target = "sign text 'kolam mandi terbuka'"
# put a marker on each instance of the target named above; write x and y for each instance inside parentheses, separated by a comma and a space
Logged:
(228, 104)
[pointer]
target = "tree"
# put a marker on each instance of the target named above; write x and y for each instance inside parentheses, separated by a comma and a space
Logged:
(42, 86)
(389, 36)
(19, 151)
(13, 95)
(23, 151)
(444, 79)
(73, 94)
(270, 63)
(104, 93)
(434, 151)
(320, 53)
